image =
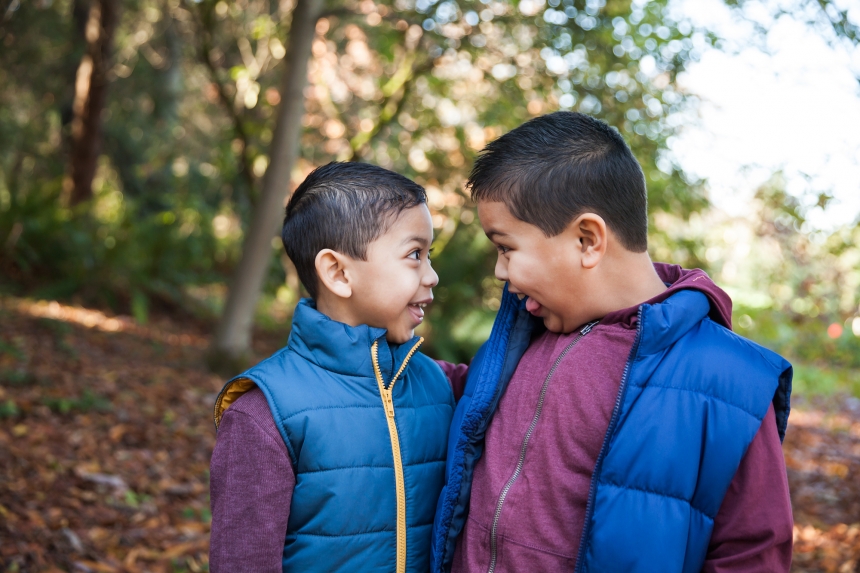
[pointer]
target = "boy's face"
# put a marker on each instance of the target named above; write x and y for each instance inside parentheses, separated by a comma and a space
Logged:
(545, 269)
(392, 287)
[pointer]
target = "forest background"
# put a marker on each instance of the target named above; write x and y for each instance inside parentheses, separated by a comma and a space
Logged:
(147, 148)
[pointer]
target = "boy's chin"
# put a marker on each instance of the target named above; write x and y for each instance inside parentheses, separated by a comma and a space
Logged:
(399, 337)
(554, 324)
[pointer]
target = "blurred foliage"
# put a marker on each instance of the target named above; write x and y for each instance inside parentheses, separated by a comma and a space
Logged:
(795, 289)
(417, 86)
(806, 302)
(811, 380)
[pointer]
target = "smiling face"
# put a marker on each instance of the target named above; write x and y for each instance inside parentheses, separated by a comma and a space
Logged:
(548, 270)
(391, 288)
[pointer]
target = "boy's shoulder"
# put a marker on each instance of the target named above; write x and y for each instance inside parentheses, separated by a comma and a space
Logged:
(688, 320)
(423, 365)
(431, 375)
(715, 340)
(253, 406)
(251, 402)
(255, 383)
(711, 360)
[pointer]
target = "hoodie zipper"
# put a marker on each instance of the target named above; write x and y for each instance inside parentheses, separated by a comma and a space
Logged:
(589, 506)
(519, 468)
(399, 487)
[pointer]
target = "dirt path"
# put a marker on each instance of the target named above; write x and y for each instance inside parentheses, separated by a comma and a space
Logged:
(106, 433)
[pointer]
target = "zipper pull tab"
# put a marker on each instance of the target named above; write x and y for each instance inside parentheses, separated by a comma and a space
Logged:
(389, 405)
(587, 328)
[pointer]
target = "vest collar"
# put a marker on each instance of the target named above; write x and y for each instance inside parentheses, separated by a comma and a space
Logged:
(664, 323)
(341, 348)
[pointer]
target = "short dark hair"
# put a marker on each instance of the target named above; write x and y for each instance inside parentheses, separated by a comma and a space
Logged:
(556, 167)
(343, 207)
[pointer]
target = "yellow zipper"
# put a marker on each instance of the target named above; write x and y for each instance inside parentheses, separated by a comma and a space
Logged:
(400, 489)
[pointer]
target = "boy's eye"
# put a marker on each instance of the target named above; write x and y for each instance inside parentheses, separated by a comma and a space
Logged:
(502, 249)
(416, 254)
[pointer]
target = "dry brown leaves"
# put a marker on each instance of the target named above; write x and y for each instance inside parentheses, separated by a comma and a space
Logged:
(105, 437)
(822, 454)
(106, 432)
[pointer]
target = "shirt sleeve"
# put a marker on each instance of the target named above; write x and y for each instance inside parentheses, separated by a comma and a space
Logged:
(456, 374)
(753, 529)
(251, 486)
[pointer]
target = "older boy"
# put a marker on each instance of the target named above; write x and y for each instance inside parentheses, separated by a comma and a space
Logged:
(330, 454)
(613, 421)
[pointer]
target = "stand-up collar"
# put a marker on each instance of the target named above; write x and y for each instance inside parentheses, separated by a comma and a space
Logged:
(341, 348)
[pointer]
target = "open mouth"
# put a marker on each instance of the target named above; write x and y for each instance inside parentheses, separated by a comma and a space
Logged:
(533, 306)
(416, 309)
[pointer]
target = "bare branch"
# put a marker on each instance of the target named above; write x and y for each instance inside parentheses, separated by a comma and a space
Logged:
(399, 85)
(204, 21)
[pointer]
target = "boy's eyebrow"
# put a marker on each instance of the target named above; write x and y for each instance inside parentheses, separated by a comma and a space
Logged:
(491, 233)
(424, 242)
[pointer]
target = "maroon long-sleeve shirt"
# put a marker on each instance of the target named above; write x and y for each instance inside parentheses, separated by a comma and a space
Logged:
(251, 485)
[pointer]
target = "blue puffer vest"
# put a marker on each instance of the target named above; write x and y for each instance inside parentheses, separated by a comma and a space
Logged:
(692, 398)
(351, 493)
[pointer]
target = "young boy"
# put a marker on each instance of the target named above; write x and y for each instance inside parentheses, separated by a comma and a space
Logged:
(613, 421)
(330, 454)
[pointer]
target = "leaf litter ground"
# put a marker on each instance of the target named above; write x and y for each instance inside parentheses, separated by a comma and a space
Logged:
(106, 432)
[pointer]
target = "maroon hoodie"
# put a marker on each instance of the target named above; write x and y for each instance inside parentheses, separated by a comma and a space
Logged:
(543, 516)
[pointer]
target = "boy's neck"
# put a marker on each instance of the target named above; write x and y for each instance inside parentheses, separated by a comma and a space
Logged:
(627, 280)
(335, 308)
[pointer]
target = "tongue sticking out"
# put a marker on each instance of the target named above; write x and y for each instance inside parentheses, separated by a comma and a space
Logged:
(532, 306)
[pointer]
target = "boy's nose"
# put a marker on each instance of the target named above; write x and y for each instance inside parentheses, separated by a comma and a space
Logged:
(431, 279)
(501, 270)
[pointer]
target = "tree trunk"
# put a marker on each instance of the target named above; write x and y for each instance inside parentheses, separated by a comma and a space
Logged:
(233, 339)
(91, 83)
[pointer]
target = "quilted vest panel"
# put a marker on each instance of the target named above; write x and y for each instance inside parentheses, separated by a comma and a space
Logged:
(682, 429)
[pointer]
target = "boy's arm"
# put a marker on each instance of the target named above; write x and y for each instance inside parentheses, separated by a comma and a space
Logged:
(753, 529)
(251, 485)
(456, 374)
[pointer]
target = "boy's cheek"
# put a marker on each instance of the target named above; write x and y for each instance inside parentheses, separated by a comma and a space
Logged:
(516, 280)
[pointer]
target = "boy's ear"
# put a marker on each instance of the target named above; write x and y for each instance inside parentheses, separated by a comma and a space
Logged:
(590, 230)
(333, 273)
